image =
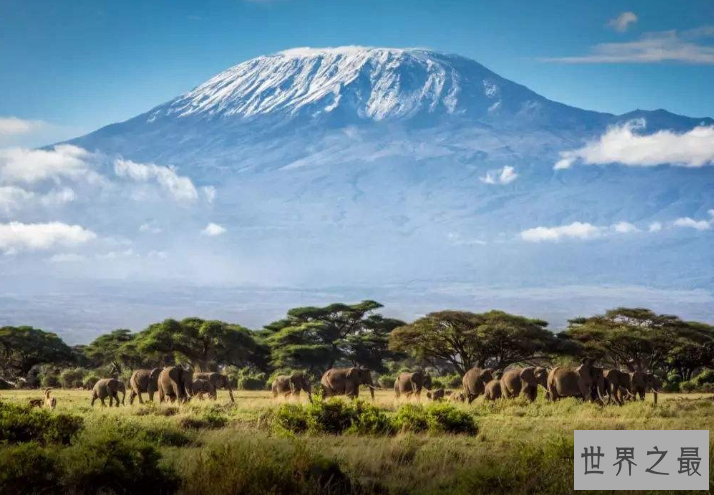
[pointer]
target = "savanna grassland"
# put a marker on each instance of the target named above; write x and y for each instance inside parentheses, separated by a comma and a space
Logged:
(222, 448)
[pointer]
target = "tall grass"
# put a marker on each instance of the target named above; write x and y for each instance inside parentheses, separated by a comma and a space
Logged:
(216, 447)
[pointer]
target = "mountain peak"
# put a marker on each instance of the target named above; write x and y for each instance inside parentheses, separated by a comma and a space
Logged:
(352, 82)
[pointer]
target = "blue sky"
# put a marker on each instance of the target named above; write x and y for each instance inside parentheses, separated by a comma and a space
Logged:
(81, 64)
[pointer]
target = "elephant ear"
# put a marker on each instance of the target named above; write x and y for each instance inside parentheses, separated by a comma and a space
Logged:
(352, 372)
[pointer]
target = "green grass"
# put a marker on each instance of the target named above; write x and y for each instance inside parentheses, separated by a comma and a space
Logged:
(223, 448)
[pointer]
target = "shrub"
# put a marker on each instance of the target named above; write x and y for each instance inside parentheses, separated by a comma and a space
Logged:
(672, 383)
(706, 376)
(411, 418)
(5, 385)
(28, 468)
(688, 386)
(370, 420)
(108, 462)
(50, 381)
(290, 418)
(333, 416)
(449, 419)
(23, 424)
(90, 379)
(69, 378)
(252, 382)
(386, 381)
(435, 418)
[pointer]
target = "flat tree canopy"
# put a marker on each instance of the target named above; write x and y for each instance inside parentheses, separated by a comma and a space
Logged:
(463, 339)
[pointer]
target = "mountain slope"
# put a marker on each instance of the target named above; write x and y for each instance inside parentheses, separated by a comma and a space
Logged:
(365, 167)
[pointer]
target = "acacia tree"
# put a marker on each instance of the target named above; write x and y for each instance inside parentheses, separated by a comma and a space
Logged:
(463, 339)
(640, 339)
(318, 337)
(114, 349)
(205, 344)
(23, 347)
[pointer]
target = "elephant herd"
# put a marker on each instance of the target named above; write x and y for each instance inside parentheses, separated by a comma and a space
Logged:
(587, 382)
(174, 384)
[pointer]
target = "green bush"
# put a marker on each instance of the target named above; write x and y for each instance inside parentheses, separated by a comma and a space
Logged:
(90, 379)
(688, 386)
(290, 418)
(386, 381)
(706, 376)
(28, 468)
(434, 418)
(23, 424)
(107, 462)
(333, 416)
(368, 419)
(411, 418)
(445, 418)
(50, 381)
(69, 378)
(672, 383)
(252, 382)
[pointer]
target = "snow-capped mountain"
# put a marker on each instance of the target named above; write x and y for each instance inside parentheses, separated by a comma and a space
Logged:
(373, 168)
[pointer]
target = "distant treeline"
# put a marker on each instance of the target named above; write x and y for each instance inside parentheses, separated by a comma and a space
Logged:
(313, 339)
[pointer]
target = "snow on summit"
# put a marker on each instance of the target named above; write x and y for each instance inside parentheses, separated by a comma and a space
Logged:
(369, 83)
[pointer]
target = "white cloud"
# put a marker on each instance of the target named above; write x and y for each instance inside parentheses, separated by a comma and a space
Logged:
(655, 227)
(624, 228)
(696, 224)
(10, 126)
(662, 46)
(58, 197)
(210, 193)
(157, 255)
(150, 227)
(504, 175)
(623, 21)
(180, 187)
(29, 166)
(621, 144)
(66, 258)
(113, 255)
(213, 229)
(456, 239)
(576, 230)
(16, 236)
(13, 198)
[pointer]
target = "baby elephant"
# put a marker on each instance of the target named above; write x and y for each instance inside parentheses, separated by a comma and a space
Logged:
(457, 397)
(493, 390)
(436, 395)
(201, 387)
(108, 387)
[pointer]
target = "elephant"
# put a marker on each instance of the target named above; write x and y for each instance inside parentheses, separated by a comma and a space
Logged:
(586, 381)
(457, 397)
(218, 380)
(642, 382)
(291, 384)
(201, 387)
(108, 387)
(493, 390)
(475, 381)
(525, 381)
(143, 381)
(436, 395)
(411, 384)
(617, 382)
(175, 384)
(346, 381)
